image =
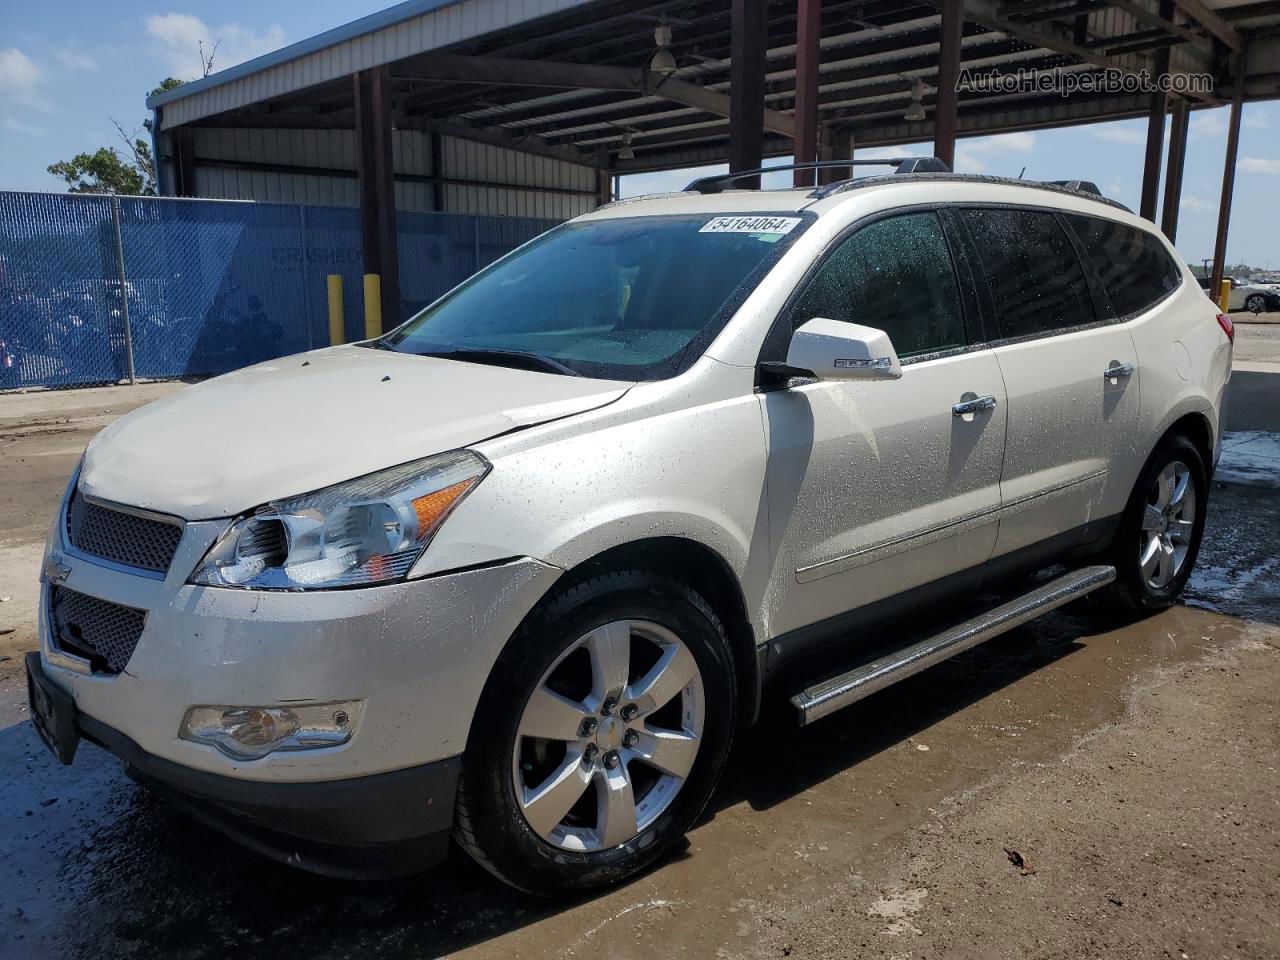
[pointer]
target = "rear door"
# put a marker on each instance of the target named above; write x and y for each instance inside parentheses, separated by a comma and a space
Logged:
(1069, 371)
(877, 487)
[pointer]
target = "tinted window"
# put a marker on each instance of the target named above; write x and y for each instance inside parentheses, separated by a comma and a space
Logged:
(894, 274)
(1037, 283)
(1134, 266)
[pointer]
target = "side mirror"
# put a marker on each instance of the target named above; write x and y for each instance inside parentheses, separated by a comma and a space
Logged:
(833, 350)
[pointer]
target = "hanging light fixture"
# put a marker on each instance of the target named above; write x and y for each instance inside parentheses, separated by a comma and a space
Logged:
(916, 109)
(662, 60)
(625, 152)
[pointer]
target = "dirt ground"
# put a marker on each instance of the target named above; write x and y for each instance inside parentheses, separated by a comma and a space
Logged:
(1076, 788)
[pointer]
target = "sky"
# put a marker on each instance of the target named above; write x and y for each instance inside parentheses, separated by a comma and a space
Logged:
(68, 67)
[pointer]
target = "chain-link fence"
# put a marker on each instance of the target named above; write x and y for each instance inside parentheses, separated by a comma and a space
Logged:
(100, 289)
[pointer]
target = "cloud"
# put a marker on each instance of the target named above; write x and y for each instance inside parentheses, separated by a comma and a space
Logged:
(1260, 165)
(75, 60)
(1208, 123)
(1254, 118)
(1195, 204)
(1118, 134)
(19, 78)
(971, 154)
(26, 129)
(178, 37)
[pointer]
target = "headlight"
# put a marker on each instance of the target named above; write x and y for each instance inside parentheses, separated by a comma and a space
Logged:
(365, 531)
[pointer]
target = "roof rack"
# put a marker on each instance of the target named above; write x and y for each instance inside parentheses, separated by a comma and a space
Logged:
(715, 184)
(1074, 187)
(1079, 186)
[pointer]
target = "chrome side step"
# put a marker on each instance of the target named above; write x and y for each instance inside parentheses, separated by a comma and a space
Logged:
(826, 697)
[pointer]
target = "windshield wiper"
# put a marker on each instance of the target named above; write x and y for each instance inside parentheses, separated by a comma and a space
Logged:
(505, 358)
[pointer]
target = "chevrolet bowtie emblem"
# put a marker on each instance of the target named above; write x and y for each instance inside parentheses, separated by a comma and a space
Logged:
(55, 571)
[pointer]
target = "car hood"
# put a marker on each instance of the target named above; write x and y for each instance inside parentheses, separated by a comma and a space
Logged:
(303, 422)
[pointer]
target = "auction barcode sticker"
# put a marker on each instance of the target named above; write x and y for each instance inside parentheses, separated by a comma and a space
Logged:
(750, 225)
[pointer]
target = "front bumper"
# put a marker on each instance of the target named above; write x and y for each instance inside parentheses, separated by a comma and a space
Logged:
(416, 653)
(384, 825)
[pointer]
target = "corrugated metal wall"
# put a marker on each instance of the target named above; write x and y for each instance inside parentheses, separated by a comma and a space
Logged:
(529, 176)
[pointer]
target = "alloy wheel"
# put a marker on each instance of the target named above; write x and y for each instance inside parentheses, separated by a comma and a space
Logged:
(608, 736)
(1167, 525)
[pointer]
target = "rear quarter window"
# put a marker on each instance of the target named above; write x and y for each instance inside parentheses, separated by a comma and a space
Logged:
(1134, 266)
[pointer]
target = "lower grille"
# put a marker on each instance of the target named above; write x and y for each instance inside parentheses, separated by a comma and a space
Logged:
(121, 536)
(101, 632)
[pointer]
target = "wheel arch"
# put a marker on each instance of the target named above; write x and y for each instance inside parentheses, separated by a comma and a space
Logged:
(1195, 427)
(707, 572)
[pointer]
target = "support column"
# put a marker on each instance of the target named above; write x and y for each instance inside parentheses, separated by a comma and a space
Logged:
(372, 89)
(1155, 129)
(808, 54)
(604, 186)
(184, 162)
(437, 171)
(1173, 171)
(746, 88)
(946, 104)
(837, 144)
(1229, 171)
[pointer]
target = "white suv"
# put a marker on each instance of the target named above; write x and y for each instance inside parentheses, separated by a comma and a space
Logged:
(515, 572)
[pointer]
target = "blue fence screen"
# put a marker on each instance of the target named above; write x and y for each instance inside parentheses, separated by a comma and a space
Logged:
(209, 285)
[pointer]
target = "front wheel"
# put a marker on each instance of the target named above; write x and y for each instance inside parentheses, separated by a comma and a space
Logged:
(1256, 304)
(1159, 535)
(599, 736)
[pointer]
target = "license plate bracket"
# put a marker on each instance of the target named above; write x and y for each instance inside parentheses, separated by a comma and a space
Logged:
(53, 712)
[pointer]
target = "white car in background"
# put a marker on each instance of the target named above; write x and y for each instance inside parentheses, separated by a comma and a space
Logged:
(517, 571)
(1247, 295)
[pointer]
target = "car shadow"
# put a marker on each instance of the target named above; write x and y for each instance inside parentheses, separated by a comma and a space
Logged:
(111, 870)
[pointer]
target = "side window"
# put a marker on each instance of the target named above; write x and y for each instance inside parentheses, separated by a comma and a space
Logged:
(1037, 283)
(894, 274)
(1134, 266)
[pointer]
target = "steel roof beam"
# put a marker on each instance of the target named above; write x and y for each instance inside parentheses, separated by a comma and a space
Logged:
(986, 13)
(1219, 27)
(546, 73)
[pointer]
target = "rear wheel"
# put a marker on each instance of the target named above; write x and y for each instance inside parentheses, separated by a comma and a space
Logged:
(1256, 303)
(1159, 537)
(600, 735)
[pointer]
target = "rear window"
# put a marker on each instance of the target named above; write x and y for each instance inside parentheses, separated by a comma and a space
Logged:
(1037, 283)
(1135, 267)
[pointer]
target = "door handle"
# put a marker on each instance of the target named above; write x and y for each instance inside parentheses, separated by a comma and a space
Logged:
(976, 405)
(1118, 370)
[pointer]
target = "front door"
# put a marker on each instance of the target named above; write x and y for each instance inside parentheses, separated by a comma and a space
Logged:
(875, 487)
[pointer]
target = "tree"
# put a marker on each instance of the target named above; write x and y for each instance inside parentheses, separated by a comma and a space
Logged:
(108, 170)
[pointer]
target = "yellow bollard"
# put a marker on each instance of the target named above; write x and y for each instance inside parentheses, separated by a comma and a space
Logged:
(337, 322)
(1224, 297)
(372, 306)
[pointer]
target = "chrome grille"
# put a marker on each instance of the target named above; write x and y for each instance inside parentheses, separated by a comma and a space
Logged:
(102, 632)
(121, 537)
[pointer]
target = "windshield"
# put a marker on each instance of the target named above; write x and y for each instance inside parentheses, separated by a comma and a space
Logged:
(637, 298)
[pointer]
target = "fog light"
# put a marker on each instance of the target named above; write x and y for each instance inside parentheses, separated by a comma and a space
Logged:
(247, 733)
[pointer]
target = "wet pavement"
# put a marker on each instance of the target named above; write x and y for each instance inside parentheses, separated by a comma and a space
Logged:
(92, 866)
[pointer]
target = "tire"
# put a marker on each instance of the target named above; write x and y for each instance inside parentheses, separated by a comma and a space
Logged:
(1138, 590)
(1256, 304)
(564, 648)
